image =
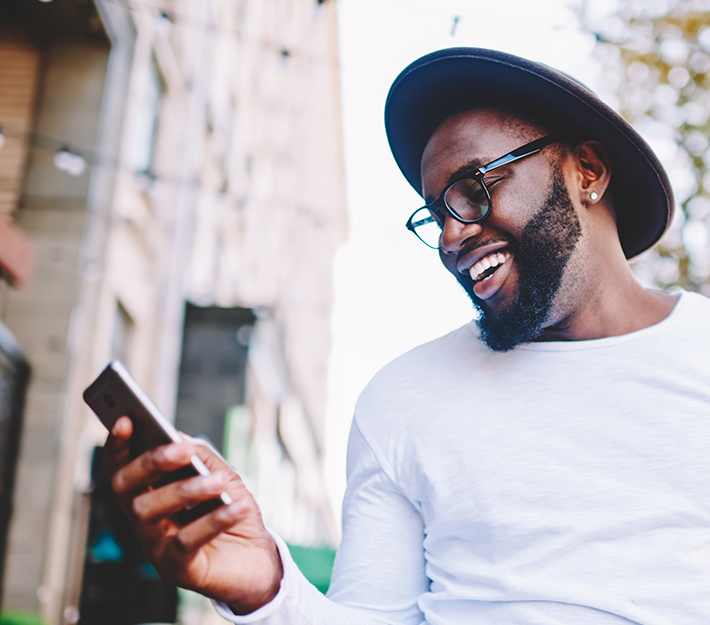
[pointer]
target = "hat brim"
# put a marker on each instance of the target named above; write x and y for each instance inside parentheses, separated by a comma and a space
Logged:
(421, 94)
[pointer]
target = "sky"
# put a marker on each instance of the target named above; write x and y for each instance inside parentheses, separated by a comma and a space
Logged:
(391, 291)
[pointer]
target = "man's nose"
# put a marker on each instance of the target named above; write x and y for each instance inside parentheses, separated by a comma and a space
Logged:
(454, 233)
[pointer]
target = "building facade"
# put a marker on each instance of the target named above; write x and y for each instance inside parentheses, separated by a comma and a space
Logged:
(176, 170)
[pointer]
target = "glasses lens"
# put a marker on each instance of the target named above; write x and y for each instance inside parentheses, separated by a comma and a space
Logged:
(468, 199)
(426, 227)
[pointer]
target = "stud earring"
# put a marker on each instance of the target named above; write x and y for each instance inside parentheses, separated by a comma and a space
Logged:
(593, 196)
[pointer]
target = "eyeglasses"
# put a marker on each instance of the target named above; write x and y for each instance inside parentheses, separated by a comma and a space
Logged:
(467, 198)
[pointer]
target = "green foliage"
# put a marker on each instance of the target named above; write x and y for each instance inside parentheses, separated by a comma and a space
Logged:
(316, 564)
(20, 617)
(658, 52)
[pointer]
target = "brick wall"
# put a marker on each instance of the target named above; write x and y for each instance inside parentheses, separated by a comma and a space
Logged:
(19, 68)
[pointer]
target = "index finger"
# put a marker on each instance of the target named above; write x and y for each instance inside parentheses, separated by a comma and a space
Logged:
(149, 467)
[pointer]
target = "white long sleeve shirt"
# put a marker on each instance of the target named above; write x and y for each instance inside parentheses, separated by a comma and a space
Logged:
(560, 483)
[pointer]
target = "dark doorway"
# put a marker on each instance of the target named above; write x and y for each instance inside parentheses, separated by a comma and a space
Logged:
(212, 369)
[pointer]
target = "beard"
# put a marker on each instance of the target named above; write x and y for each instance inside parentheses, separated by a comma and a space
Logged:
(541, 254)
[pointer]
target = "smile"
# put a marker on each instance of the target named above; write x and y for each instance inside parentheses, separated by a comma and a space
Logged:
(484, 268)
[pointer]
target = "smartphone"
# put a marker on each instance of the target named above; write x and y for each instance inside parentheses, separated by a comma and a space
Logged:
(115, 394)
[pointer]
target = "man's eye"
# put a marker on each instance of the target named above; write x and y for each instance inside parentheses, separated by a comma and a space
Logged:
(475, 194)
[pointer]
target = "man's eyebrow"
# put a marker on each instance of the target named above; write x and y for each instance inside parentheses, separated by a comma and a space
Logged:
(469, 168)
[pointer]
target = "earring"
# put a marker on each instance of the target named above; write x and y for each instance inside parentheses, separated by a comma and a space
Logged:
(593, 196)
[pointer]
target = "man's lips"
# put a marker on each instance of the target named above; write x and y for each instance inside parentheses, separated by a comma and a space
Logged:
(491, 281)
(487, 266)
(469, 258)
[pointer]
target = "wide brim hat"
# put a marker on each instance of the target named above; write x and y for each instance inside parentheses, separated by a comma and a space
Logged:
(426, 91)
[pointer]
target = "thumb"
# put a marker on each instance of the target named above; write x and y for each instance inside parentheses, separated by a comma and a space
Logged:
(117, 451)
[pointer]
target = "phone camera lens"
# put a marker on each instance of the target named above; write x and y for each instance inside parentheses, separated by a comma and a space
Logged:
(109, 401)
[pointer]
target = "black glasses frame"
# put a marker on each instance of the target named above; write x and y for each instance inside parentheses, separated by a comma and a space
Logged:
(435, 210)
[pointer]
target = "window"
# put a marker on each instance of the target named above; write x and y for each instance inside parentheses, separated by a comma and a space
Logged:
(146, 123)
(122, 335)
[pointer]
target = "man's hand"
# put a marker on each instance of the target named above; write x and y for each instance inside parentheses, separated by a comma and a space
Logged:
(227, 554)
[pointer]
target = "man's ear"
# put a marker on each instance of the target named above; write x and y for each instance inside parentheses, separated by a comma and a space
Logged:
(594, 170)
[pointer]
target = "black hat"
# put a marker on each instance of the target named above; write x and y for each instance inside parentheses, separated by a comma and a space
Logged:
(424, 92)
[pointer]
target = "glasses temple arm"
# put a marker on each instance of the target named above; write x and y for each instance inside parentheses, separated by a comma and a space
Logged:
(521, 152)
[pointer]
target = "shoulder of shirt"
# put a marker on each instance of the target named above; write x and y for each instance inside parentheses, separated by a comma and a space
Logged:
(696, 299)
(695, 314)
(403, 379)
(692, 311)
(420, 360)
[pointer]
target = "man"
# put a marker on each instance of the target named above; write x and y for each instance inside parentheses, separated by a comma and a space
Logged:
(546, 464)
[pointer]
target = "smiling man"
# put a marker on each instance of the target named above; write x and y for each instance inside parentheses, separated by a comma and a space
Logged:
(544, 465)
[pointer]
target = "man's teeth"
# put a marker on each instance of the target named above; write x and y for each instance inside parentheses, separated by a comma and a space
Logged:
(492, 260)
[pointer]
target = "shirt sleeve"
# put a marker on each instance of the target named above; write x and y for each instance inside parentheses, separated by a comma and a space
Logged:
(380, 566)
(379, 573)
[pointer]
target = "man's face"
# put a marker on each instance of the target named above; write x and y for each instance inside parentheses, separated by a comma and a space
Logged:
(512, 264)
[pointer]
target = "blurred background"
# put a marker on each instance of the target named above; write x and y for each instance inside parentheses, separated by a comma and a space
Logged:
(202, 189)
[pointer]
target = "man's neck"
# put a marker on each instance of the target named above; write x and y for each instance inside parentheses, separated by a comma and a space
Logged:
(617, 307)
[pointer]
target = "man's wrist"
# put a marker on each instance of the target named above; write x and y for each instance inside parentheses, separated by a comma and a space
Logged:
(251, 604)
